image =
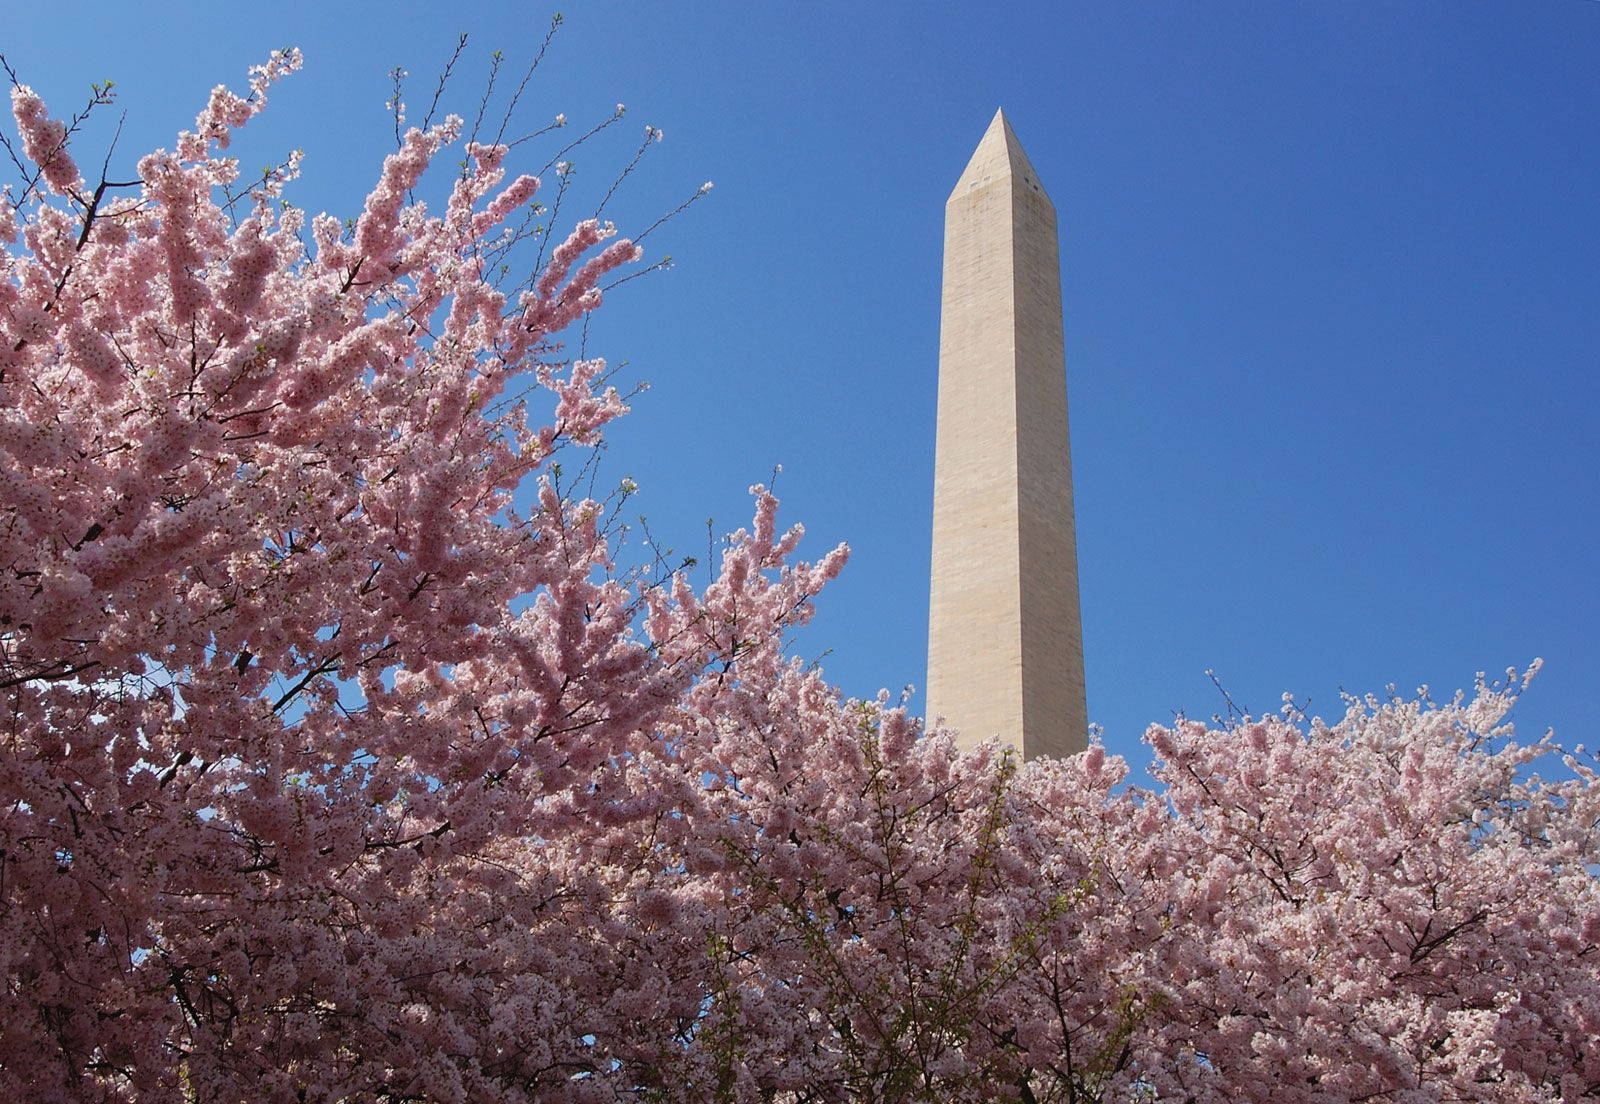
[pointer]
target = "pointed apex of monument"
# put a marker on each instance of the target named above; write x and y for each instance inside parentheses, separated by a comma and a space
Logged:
(998, 154)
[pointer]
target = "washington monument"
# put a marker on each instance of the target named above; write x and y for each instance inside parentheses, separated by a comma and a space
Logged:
(1005, 643)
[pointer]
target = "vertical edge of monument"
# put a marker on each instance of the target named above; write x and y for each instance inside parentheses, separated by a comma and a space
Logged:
(1005, 653)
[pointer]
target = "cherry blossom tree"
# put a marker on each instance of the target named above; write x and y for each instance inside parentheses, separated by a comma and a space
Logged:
(1392, 907)
(346, 758)
(329, 772)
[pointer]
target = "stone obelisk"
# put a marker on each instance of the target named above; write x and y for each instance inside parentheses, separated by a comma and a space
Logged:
(1005, 642)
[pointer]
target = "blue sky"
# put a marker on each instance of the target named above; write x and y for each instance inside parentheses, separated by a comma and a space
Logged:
(1331, 276)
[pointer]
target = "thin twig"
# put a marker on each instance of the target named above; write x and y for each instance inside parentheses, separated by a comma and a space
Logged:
(700, 193)
(651, 136)
(444, 77)
(505, 120)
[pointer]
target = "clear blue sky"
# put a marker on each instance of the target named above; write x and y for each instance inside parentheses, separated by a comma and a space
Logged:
(1331, 278)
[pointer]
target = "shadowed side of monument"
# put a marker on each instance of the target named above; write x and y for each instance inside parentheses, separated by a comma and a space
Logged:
(1005, 642)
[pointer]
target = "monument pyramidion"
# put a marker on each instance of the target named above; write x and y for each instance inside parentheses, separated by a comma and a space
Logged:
(1005, 640)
